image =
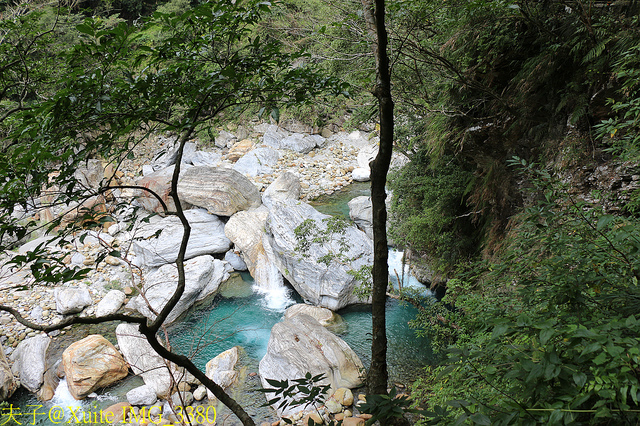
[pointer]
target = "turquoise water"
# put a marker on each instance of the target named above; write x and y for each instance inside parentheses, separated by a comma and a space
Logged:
(238, 316)
(246, 322)
(336, 203)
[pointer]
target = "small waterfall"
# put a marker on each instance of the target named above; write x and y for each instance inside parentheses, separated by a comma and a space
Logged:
(269, 281)
(63, 400)
(397, 272)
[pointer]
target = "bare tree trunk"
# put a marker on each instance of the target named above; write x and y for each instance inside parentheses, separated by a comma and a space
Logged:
(377, 376)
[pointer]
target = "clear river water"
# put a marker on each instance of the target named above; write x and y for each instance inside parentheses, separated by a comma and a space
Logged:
(239, 316)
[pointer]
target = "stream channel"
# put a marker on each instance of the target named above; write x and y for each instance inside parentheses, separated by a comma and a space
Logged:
(239, 316)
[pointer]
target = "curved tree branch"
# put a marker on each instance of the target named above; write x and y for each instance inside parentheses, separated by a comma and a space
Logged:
(71, 320)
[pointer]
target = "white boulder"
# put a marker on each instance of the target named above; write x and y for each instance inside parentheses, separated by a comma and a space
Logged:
(158, 243)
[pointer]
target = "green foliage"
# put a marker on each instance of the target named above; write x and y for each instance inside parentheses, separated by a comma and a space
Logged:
(486, 80)
(330, 234)
(333, 35)
(116, 86)
(384, 408)
(549, 333)
(309, 391)
(428, 211)
(174, 6)
(622, 131)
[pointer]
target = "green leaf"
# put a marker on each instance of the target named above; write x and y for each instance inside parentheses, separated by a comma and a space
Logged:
(592, 347)
(546, 334)
(85, 29)
(600, 359)
(580, 379)
(277, 383)
(480, 419)
(275, 114)
(556, 417)
(604, 221)
(634, 393)
(499, 330)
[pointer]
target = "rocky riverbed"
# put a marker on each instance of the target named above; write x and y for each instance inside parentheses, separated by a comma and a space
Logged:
(278, 164)
(324, 170)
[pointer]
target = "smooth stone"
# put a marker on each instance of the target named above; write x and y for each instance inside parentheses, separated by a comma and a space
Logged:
(8, 384)
(333, 406)
(287, 185)
(353, 421)
(51, 381)
(92, 363)
(361, 212)
(225, 139)
(203, 276)
(361, 174)
(110, 303)
(236, 262)
(184, 387)
(71, 300)
(200, 393)
(329, 285)
(203, 158)
(182, 399)
(300, 345)
(142, 395)
(207, 237)
(221, 191)
(239, 149)
(221, 369)
(326, 317)
(29, 361)
(144, 361)
(245, 229)
(260, 161)
(366, 154)
(273, 137)
(159, 182)
(344, 396)
(298, 142)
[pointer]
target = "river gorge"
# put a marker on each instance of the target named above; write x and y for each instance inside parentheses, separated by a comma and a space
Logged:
(242, 313)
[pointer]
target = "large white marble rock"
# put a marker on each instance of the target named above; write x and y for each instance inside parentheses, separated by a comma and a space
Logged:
(287, 185)
(158, 243)
(203, 276)
(299, 345)
(110, 303)
(328, 284)
(144, 361)
(29, 361)
(361, 212)
(221, 369)
(257, 162)
(220, 190)
(71, 300)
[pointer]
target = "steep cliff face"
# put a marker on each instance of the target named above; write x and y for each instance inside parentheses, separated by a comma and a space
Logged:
(611, 184)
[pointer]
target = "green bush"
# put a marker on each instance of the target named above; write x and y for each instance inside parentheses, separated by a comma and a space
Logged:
(428, 211)
(549, 333)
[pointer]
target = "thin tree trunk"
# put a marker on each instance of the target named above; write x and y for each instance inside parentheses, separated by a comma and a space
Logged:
(377, 376)
(151, 329)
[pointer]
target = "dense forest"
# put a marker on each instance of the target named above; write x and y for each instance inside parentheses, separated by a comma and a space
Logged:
(521, 198)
